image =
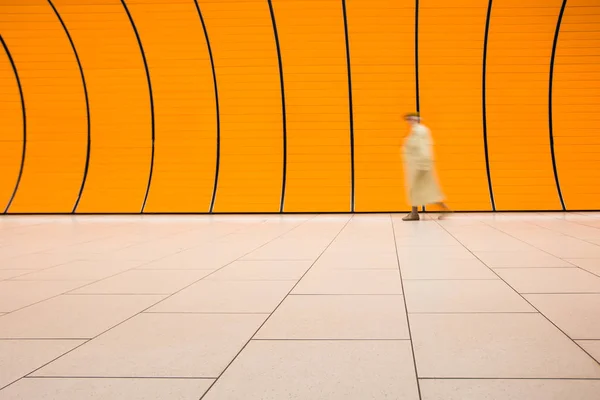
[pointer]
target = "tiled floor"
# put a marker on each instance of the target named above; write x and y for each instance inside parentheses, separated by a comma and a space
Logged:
(477, 307)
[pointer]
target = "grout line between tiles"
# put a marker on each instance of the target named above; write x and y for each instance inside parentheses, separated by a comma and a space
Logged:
(453, 378)
(330, 340)
(147, 308)
(471, 312)
(345, 294)
(561, 293)
(276, 308)
(524, 298)
(32, 339)
(531, 245)
(136, 262)
(412, 345)
(206, 312)
(123, 377)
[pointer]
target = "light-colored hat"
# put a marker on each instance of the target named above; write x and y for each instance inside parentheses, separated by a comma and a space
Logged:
(412, 116)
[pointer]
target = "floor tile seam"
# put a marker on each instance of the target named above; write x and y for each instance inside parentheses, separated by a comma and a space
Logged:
(47, 363)
(329, 340)
(346, 294)
(199, 378)
(530, 245)
(125, 320)
(528, 302)
(566, 234)
(277, 307)
(12, 278)
(48, 298)
(212, 240)
(588, 241)
(412, 345)
(471, 312)
(557, 293)
(167, 296)
(460, 378)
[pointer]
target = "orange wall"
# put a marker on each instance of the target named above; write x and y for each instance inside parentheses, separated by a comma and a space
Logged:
(295, 105)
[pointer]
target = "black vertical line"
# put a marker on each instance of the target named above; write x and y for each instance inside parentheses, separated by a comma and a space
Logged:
(87, 106)
(214, 74)
(350, 106)
(484, 104)
(417, 55)
(550, 110)
(417, 96)
(24, 116)
(151, 95)
(283, 111)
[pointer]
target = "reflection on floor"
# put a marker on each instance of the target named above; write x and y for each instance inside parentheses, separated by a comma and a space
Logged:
(479, 306)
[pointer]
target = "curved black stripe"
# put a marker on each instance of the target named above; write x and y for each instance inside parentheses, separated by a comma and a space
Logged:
(484, 104)
(214, 73)
(350, 105)
(550, 110)
(24, 116)
(87, 106)
(283, 111)
(151, 95)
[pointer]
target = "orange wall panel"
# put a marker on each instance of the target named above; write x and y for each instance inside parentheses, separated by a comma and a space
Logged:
(518, 68)
(296, 105)
(119, 105)
(382, 54)
(56, 113)
(313, 49)
(251, 152)
(184, 100)
(450, 96)
(576, 105)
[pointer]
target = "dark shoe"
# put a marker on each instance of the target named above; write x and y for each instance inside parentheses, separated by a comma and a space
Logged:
(411, 217)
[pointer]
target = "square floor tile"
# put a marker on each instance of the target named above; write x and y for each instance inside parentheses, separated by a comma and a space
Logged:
(350, 281)
(550, 280)
(18, 294)
(337, 317)
(521, 259)
(592, 347)
(145, 282)
(576, 314)
(496, 346)
(589, 264)
(514, 389)
(446, 269)
(448, 296)
(101, 388)
(227, 297)
(262, 271)
(20, 357)
(319, 370)
(72, 317)
(80, 270)
(161, 345)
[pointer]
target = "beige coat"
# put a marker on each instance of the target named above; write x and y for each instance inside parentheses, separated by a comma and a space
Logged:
(421, 180)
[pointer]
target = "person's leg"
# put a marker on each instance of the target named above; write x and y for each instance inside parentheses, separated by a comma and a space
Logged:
(413, 216)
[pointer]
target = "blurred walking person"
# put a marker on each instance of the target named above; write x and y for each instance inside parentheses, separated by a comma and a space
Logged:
(421, 180)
